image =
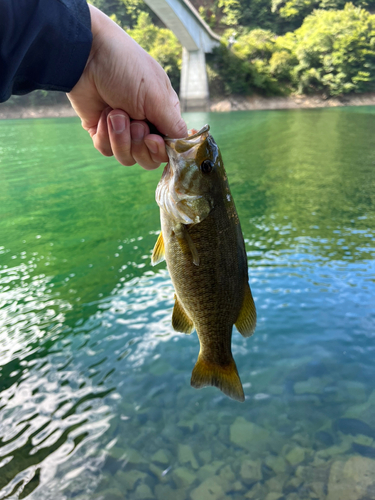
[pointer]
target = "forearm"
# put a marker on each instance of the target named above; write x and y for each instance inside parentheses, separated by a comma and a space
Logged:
(44, 44)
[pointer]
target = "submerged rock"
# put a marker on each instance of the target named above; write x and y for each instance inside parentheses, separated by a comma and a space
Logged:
(143, 492)
(110, 494)
(353, 426)
(324, 437)
(248, 435)
(161, 456)
(165, 492)
(183, 477)
(365, 451)
(157, 471)
(276, 483)
(251, 471)
(205, 456)
(314, 385)
(210, 489)
(209, 470)
(128, 479)
(186, 456)
(293, 484)
(296, 455)
(273, 495)
(352, 479)
(226, 474)
(276, 463)
(258, 491)
(335, 450)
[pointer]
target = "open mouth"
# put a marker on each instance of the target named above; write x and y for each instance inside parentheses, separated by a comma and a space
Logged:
(184, 145)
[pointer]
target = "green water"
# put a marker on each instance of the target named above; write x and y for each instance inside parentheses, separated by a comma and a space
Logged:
(95, 399)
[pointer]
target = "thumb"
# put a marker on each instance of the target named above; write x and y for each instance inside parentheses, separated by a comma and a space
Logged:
(162, 109)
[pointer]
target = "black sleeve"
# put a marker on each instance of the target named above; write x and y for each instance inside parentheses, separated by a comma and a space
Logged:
(44, 44)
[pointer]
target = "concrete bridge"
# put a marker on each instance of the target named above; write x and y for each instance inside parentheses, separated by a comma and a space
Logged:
(197, 39)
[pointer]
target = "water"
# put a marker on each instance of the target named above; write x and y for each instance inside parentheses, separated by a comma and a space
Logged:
(95, 400)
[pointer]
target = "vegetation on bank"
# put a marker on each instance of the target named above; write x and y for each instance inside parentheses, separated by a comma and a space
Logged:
(268, 47)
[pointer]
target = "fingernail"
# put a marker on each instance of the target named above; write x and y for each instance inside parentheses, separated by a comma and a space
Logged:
(137, 132)
(152, 146)
(118, 123)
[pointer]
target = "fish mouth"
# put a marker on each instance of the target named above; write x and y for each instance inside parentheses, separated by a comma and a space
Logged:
(186, 145)
(170, 194)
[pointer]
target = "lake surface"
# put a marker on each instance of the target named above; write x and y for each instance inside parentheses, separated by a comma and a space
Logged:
(95, 396)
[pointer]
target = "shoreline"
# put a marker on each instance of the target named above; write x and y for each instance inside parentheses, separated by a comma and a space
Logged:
(233, 103)
(256, 103)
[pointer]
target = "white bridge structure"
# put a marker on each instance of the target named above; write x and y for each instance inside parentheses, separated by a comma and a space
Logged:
(196, 38)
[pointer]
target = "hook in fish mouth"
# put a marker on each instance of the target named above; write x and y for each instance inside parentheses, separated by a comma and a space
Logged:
(205, 128)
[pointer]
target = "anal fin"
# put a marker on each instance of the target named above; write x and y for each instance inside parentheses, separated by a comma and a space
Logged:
(158, 254)
(180, 320)
(247, 318)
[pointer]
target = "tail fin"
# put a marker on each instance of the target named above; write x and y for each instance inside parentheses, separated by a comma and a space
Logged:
(226, 378)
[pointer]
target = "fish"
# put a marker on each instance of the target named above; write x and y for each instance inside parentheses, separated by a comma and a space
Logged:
(203, 246)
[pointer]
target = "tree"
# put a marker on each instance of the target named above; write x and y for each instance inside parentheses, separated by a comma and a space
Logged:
(161, 44)
(336, 51)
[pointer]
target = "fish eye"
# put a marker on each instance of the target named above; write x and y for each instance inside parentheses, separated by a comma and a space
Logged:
(207, 166)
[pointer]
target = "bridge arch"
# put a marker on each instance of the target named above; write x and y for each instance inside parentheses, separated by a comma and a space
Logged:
(197, 39)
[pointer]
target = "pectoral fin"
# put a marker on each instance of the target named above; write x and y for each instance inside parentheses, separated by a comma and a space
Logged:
(180, 320)
(182, 233)
(193, 248)
(247, 318)
(158, 254)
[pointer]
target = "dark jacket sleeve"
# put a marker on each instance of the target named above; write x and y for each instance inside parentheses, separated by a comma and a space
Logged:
(44, 44)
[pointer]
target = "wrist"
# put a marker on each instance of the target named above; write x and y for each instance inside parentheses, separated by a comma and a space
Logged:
(97, 21)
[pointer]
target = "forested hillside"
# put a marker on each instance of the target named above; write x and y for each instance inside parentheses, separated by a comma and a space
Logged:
(281, 46)
(269, 47)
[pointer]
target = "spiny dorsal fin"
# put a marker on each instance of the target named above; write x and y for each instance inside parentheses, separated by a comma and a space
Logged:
(226, 378)
(158, 254)
(180, 320)
(247, 318)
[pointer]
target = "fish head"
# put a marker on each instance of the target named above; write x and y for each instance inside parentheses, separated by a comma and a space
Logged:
(186, 191)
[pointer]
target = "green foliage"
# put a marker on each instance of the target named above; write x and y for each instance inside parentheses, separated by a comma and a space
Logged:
(231, 10)
(336, 52)
(161, 44)
(259, 62)
(227, 73)
(333, 53)
(124, 12)
(295, 11)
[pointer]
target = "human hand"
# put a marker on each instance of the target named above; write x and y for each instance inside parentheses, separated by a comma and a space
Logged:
(120, 90)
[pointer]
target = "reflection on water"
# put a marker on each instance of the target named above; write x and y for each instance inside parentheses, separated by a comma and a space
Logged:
(95, 400)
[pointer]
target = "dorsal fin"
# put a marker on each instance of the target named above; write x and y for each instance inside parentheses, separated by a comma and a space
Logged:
(247, 318)
(180, 320)
(158, 254)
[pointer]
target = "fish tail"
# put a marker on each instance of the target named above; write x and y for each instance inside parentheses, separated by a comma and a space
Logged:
(225, 377)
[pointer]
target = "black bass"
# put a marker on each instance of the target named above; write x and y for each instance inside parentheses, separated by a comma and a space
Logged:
(202, 243)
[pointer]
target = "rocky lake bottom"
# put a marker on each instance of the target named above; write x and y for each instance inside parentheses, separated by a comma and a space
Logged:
(95, 395)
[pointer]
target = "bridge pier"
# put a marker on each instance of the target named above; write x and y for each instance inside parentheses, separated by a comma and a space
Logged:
(194, 93)
(197, 39)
